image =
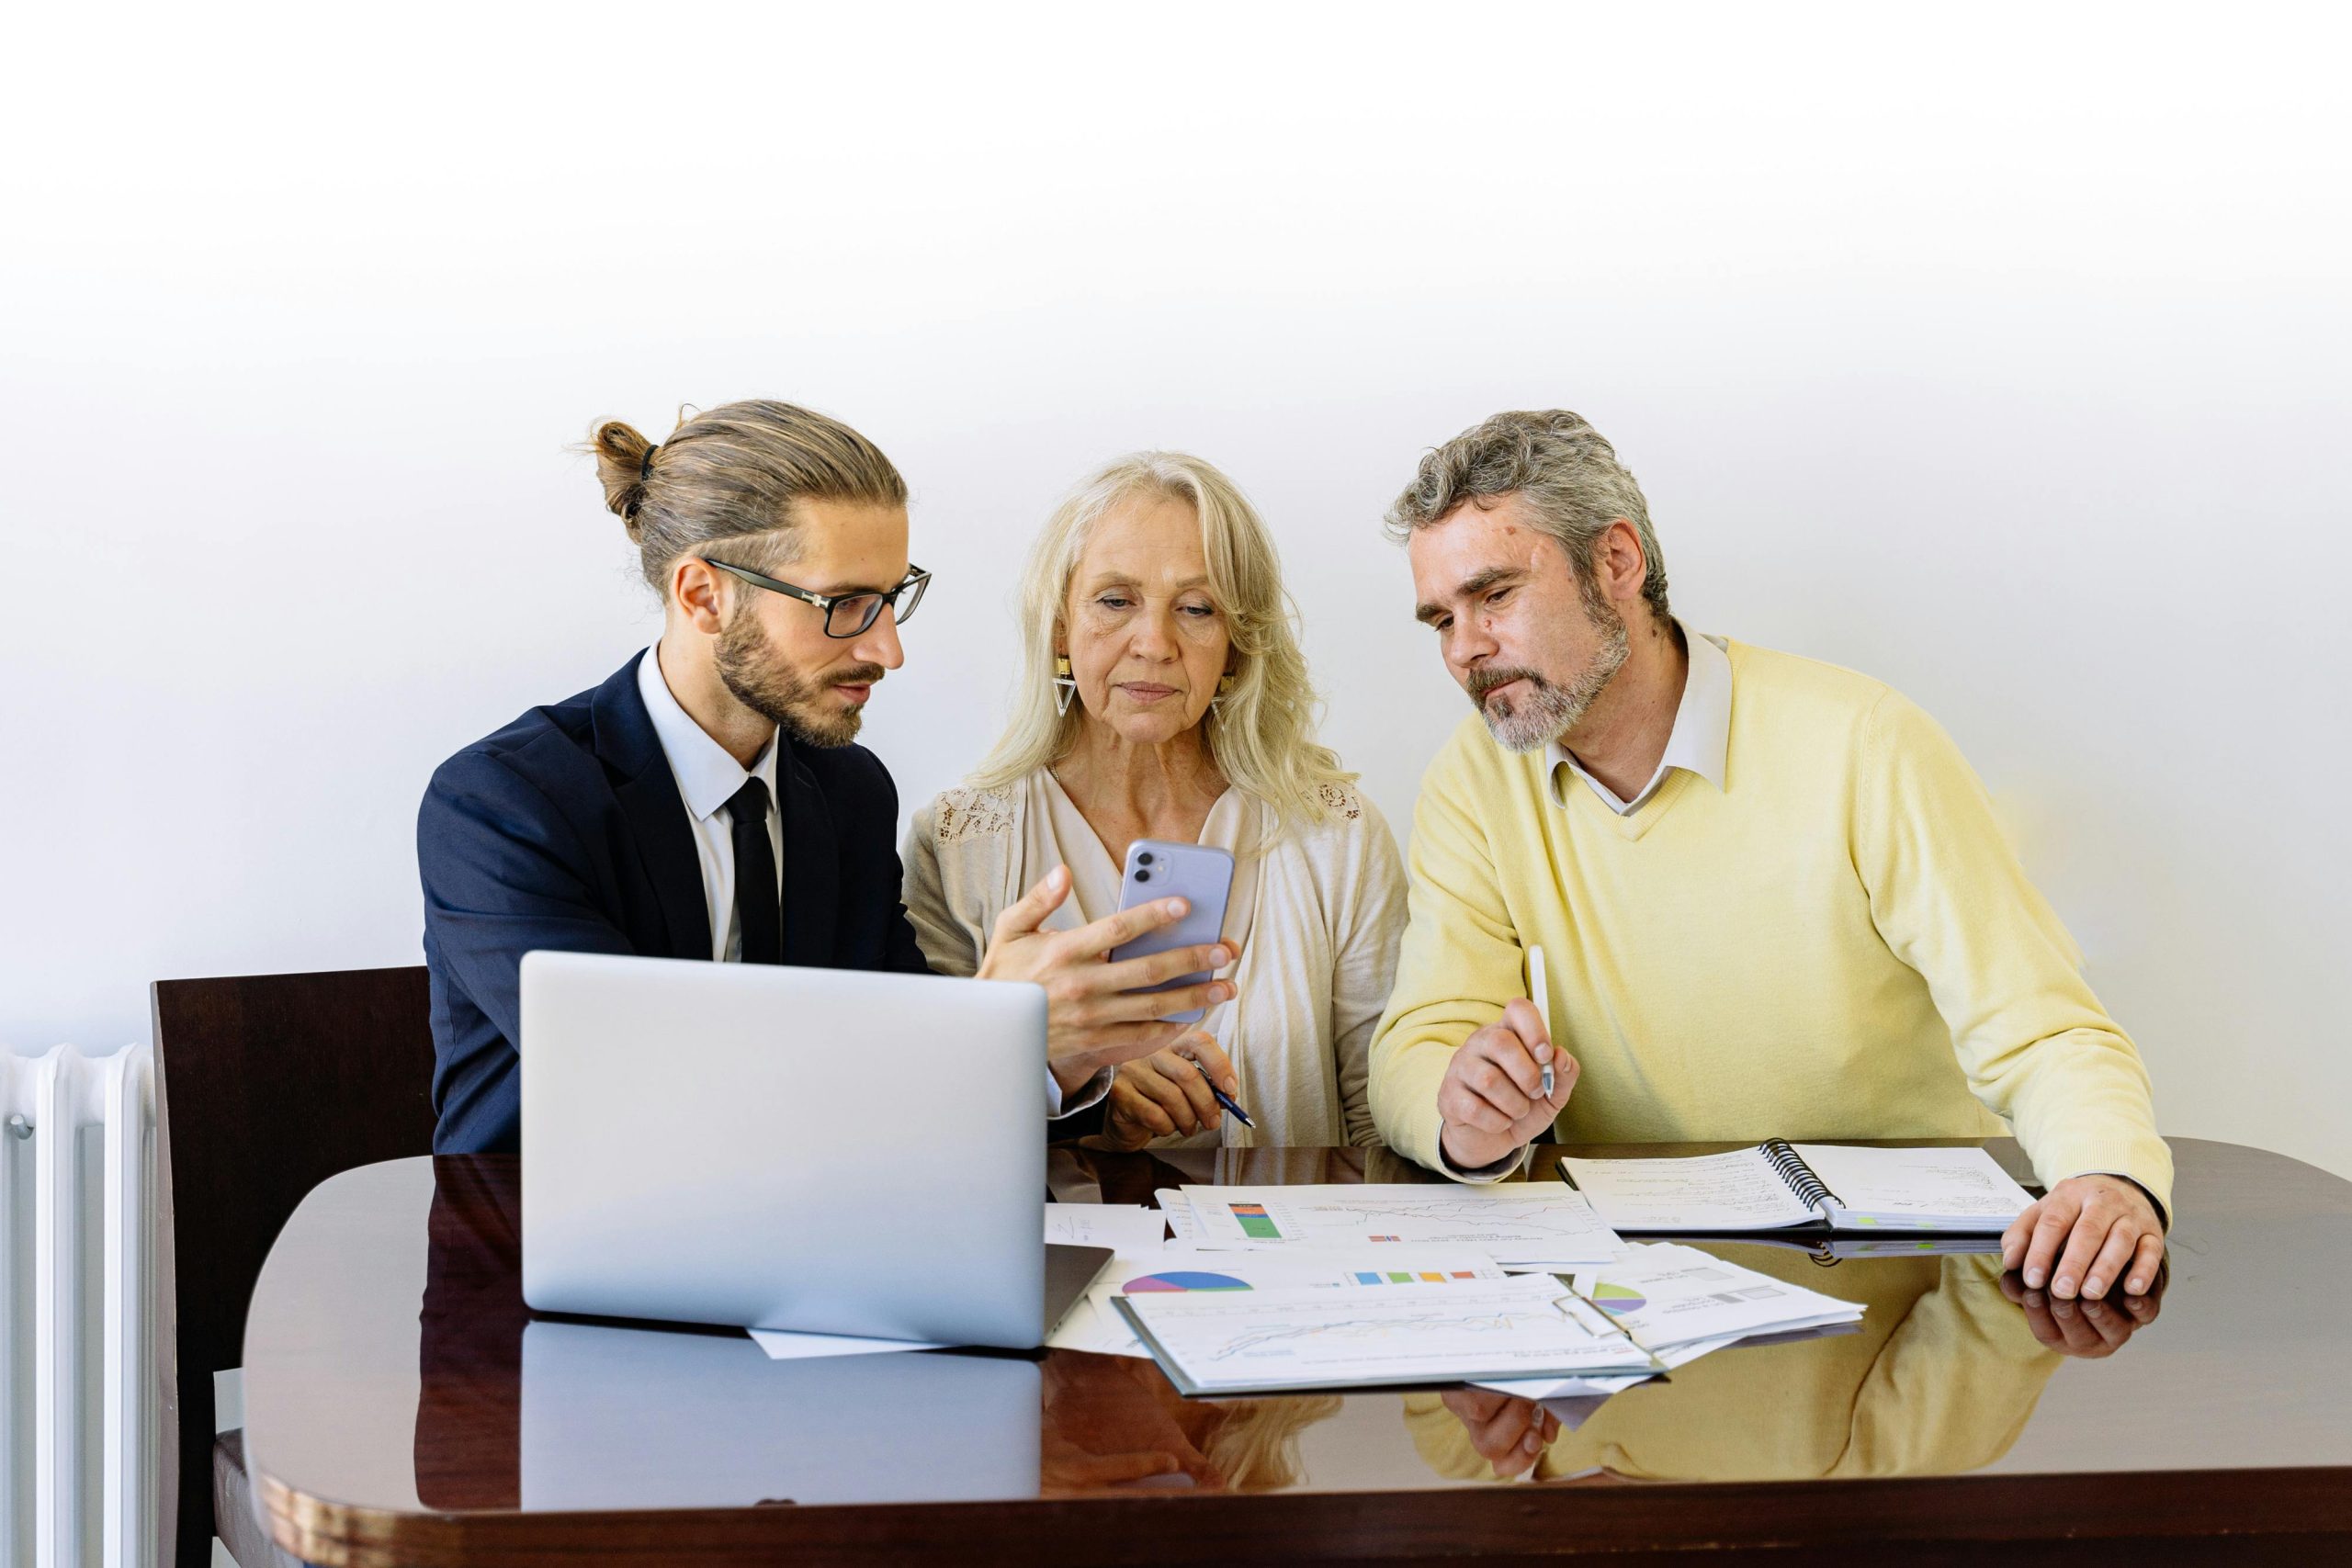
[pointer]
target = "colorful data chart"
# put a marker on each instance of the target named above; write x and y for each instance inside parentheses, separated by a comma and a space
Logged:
(1255, 1222)
(1618, 1300)
(1183, 1280)
(1399, 1277)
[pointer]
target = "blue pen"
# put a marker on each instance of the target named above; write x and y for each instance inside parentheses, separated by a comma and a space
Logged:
(1227, 1100)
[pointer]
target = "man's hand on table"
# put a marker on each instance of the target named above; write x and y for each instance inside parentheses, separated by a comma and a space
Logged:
(1095, 1017)
(2088, 1235)
(1492, 1098)
(2087, 1328)
(1112, 1419)
(1509, 1433)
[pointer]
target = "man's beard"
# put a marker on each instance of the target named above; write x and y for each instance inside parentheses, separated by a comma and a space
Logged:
(1546, 711)
(761, 681)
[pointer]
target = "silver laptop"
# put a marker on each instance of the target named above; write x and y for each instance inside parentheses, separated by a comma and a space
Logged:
(819, 1149)
(664, 1419)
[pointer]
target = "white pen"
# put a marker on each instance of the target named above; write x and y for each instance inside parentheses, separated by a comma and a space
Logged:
(1541, 995)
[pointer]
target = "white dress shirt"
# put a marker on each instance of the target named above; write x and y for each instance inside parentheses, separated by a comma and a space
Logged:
(708, 775)
(1700, 740)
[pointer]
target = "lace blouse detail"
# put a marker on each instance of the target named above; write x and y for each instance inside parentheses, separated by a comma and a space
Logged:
(972, 814)
(1340, 801)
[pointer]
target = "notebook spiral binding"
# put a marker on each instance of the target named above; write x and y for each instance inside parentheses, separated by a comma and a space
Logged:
(1793, 1169)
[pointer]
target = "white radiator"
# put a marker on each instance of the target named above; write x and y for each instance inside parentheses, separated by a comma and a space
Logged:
(78, 1450)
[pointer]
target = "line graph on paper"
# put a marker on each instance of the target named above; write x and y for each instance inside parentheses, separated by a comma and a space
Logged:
(1424, 1332)
(1367, 1331)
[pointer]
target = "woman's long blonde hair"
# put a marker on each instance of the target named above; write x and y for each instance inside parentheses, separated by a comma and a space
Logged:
(1262, 733)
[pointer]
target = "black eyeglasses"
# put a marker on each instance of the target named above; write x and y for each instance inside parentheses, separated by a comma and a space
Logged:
(846, 615)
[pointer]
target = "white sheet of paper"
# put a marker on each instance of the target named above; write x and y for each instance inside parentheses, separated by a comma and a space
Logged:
(1087, 1328)
(1565, 1388)
(1312, 1335)
(1573, 1410)
(1666, 1294)
(1175, 1268)
(1520, 1225)
(790, 1345)
(1122, 1227)
(1178, 1209)
(1734, 1192)
(1917, 1186)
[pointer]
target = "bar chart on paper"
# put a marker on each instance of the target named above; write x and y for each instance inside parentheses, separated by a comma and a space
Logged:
(1518, 1224)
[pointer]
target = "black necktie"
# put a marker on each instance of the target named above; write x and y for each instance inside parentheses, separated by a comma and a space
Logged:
(759, 913)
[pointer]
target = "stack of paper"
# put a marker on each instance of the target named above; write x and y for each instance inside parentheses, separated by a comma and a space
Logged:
(1096, 1324)
(1683, 1304)
(1271, 1288)
(1518, 1225)
(1312, 1337)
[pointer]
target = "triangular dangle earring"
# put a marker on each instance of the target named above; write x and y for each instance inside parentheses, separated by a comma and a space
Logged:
(1064, 684)
(1224, 689)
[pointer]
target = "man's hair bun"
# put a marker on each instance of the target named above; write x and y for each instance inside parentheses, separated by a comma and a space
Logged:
(622, 467)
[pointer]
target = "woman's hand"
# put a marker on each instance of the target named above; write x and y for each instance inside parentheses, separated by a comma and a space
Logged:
(1095, 1013)
(1168, 1093)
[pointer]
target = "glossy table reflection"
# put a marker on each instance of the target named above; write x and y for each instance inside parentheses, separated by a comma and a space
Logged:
(402, 1406)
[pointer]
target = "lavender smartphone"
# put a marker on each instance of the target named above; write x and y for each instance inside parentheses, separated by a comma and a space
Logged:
(1202, 875)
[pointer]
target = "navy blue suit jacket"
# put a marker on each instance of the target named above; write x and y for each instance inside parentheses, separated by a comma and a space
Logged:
(565, 830)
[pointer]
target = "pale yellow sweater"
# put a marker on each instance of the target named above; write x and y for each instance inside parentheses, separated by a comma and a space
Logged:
(1940, 1377)
(1840, 944)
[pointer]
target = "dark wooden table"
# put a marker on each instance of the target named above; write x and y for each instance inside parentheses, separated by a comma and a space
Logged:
(403, 1407)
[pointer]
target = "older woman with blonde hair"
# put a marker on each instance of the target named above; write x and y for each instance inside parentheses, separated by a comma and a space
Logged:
(1164, 696)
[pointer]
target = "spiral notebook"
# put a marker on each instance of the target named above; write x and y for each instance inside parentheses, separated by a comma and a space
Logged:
(1783, 1186)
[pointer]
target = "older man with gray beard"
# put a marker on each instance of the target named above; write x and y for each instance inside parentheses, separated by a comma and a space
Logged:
(1775, 899)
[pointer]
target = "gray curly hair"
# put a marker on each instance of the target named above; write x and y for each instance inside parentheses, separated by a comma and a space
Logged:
(1563, 468)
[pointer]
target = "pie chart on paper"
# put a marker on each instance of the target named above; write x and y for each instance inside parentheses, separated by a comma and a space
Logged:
(1182, 1280)
(1615, 1299)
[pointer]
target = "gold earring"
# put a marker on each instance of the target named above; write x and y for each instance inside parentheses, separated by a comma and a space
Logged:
(1064, 684)
(1224, 689)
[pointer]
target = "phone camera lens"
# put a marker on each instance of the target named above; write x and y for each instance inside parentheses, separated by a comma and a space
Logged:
(1143, 876)
(1144, 859)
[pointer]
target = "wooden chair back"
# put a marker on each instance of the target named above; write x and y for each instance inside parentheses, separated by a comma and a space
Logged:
(265, 1086)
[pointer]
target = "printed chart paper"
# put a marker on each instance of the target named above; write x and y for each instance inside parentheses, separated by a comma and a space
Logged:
(1683, 1304)
(1312, 1337)
(1665, 1294)
(1100, 1326)
(1520, 1225)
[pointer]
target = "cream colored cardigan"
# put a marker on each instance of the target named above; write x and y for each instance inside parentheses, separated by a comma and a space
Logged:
(1323, 912)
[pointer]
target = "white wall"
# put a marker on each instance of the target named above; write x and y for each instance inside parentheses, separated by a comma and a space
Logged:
(2002, 355)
